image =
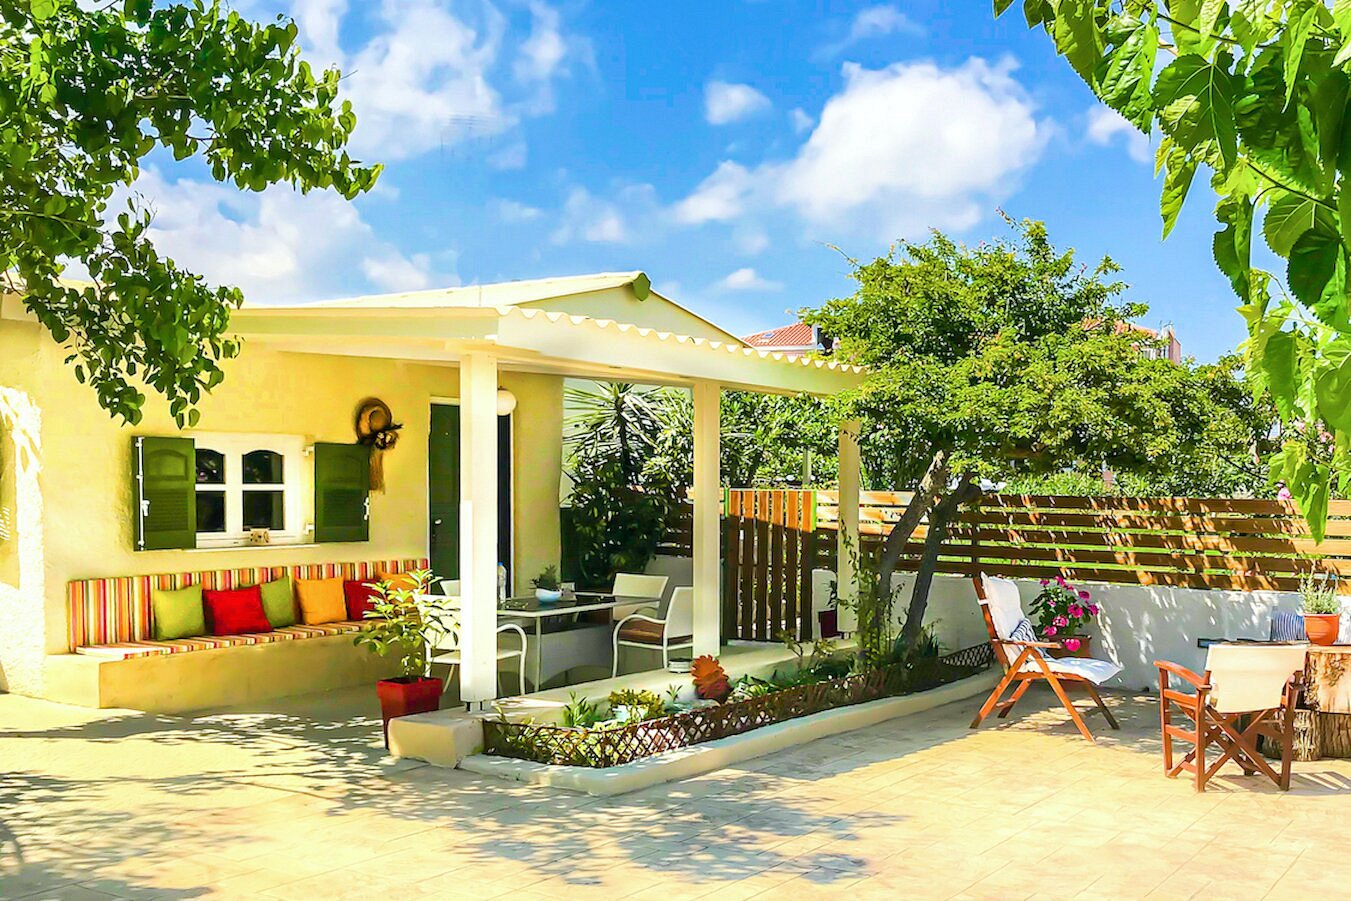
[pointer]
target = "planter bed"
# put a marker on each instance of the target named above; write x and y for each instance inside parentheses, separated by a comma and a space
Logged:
(599, 748)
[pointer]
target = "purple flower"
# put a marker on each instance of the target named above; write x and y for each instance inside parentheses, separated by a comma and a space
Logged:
(1061, 621)
(1083, 595)
(1045, 582)
(1048, 631)
(1072, 644)
(1092, 609)
(1076, 611)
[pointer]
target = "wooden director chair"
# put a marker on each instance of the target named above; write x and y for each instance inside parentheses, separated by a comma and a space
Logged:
(1024, 662)
(1248, 691)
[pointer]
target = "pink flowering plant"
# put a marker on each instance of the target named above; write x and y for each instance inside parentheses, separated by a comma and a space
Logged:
(1062, 611)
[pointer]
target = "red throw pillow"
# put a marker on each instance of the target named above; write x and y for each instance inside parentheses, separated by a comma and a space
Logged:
(238, 611)
(359, 597)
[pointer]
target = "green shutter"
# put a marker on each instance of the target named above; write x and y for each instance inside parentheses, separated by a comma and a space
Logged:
(342, 481)
(164, 484)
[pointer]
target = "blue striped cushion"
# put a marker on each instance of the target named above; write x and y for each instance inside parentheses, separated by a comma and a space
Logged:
(1023, 632)
(1287, 625)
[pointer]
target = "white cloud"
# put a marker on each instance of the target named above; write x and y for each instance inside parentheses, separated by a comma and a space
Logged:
(896, 151)
(277, 245)
(588, 218)
(1105, 124)
(880, 21)
(514, 211)
(751, 241)
(747, 279)
(802, 122)
(513, 156)
(433, 72)
(725, 102)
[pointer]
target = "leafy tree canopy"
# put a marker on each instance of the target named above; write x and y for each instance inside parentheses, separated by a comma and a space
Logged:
(1008, 357)
(1256, 93)
(85, 95)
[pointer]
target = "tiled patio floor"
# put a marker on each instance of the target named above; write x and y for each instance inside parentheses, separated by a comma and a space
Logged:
(300, 802)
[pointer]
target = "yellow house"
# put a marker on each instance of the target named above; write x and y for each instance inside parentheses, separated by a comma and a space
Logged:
(80, 512)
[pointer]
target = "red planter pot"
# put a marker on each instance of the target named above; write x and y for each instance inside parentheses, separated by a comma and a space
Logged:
(830, 623)
(402, 697)
(1322, 628)
(1085, 647)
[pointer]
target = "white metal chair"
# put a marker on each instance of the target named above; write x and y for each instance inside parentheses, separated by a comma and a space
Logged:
(639, 586)
(638, 630)
(447, 649)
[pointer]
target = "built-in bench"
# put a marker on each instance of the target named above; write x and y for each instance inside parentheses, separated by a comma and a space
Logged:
(114, 661)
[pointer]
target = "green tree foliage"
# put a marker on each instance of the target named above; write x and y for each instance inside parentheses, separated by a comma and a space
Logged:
(1256, 93)
(85, 95)
(993, 360)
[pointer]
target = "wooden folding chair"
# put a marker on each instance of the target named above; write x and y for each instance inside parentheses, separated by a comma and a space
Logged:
(1021, 655)
(1248, 691)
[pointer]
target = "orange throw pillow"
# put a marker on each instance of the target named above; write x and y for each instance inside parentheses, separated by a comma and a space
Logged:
(321, 601)
(398, 580)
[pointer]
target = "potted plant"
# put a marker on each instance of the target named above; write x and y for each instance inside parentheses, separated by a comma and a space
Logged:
(407, 622)
(548, 589)
(1062, 612)
(829, 618)
(1321, 606)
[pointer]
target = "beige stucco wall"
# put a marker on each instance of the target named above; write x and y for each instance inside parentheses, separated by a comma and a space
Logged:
(72, 502)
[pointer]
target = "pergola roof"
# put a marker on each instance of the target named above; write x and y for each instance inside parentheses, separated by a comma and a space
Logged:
(549, 325)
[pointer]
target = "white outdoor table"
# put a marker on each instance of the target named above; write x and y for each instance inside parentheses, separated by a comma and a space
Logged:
(575, 644)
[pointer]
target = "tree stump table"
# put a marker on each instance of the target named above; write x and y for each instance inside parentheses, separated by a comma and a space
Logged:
(1327, 692)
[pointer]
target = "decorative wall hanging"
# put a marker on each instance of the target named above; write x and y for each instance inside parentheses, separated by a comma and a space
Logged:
(375, 426)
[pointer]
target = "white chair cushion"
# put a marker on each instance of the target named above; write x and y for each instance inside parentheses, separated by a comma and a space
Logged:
(1091, 668)
(1005, 603)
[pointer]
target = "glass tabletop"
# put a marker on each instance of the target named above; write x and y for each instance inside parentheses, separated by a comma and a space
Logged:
(581, 601)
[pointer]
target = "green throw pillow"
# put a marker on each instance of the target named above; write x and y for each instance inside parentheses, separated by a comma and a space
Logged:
(178, 613)
(279, 602)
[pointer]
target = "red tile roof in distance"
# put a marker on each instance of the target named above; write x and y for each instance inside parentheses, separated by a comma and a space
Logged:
(799, 334)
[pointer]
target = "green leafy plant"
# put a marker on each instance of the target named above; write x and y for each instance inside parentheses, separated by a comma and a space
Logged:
(1318, 594)
(637, 705)
(407, 621)
(580, 712)
(87, 91)
(1256, 92)
(548, 579)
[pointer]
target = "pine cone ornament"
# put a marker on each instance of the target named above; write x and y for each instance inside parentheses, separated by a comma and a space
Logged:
(710, 679)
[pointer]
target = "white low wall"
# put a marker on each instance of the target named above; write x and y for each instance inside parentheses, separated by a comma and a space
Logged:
(1138, 624)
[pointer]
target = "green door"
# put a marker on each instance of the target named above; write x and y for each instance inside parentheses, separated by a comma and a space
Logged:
(443, 492)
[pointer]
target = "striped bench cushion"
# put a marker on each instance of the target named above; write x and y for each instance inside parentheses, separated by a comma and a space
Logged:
(124, 649)
(116, 611)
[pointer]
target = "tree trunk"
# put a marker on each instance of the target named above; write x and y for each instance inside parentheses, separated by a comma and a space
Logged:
(934, 481)
(939, 520)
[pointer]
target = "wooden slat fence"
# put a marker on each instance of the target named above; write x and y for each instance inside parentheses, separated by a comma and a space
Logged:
(773, 539)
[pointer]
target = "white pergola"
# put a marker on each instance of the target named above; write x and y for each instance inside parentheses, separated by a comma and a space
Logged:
(556, 326)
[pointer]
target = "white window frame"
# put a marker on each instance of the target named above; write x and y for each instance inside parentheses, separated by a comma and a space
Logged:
(295, 499)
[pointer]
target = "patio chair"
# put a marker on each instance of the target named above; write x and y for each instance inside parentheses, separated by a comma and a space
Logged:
(636, 585)
(638, 630)
(1024, 662)
(447, 650)
(1248, 691)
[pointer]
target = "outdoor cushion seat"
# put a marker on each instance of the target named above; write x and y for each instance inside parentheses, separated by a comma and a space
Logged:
(124, 649)
(647, 632)
(1091, 668)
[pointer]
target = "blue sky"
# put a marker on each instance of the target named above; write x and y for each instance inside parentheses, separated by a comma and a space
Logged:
(720, 147)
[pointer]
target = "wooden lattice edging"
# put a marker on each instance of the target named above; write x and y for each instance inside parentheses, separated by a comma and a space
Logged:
(599, 748)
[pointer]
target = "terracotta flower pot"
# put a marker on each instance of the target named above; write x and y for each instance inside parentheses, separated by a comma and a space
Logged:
(404, 696)
(1322, 628)
(1085, 646)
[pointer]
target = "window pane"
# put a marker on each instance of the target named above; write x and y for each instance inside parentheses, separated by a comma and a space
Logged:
(263, 510)
(262, 467)
(210, 467)
(210, 511)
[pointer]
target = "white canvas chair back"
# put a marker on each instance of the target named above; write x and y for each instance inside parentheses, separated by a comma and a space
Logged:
(1004, 603)
(638, 585)
(1245, 678)
(450, 588)
(680, 613)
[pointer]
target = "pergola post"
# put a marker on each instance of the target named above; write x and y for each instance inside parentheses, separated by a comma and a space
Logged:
(846, 573)
(707, 519)
(478, 527)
